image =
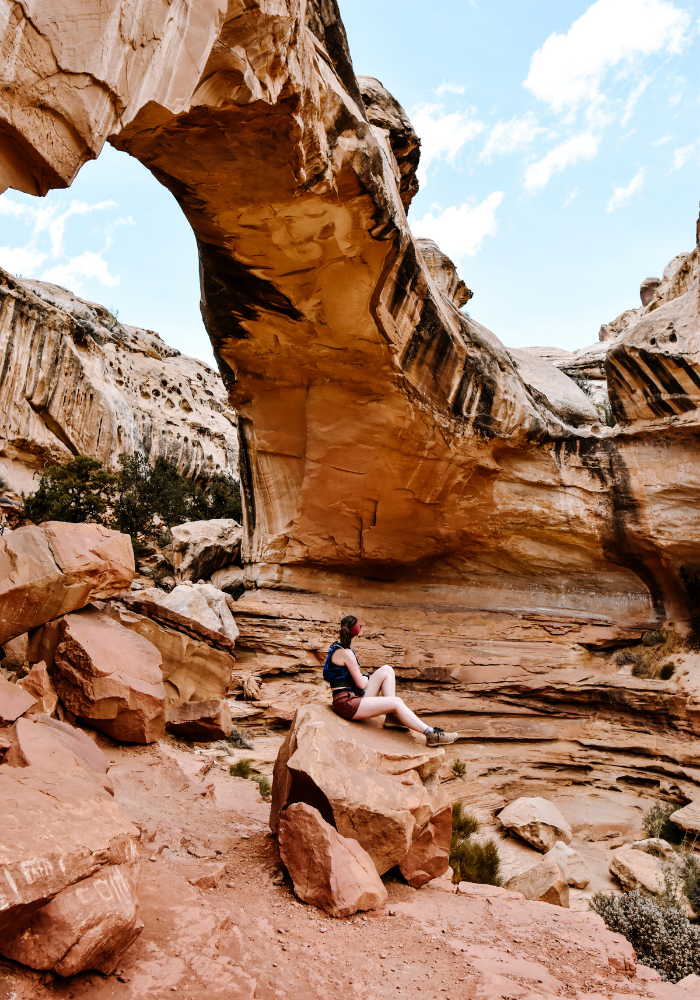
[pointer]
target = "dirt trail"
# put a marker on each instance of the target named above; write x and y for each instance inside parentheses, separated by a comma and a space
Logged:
(250, 938)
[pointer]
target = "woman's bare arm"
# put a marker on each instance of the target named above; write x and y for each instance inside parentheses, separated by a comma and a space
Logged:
(354, 668)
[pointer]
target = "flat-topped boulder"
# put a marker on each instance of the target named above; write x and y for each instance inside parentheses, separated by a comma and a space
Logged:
(48, 743)
(374, 785)
(56, 568)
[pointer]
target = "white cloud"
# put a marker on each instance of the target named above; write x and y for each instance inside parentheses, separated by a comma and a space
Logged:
(449, 88)
(459, 232)
(568, 70)
(622, 195)
(86, 265)
(571, 197)
(633, 98)
(443, 135)
(674, 99)
(662, 140)
(566, 154)
(685, 153)
(21, 260)
(506, 137)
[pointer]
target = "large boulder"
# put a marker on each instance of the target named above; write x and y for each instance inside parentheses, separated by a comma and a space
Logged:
(200, 720)
(196, 676)
(545, 882)
(637, 870)
(536, 820)
(199, 548)
(56, 568)
(327, 869)
(572, 864)
(43, 742)
(59, 831)
(110, 677)
(200, 602)
(376, 786)
(688, 818)
(88, 926)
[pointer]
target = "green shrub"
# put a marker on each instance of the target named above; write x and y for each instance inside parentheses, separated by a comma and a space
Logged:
(663, 937)
(79, 491)
(471, 860)
(140, 500)
(459, 768)
(657, 822)
(265, 787)
(242, 769)
(690, 877)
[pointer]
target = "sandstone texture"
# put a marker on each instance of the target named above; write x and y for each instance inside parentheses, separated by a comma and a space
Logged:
(56, 568)
(572, 866)
(78, 382)
(199, 548)
(39, 685)
(51, 744)
(537, 821)
(200, 602)
(374, 786)
(60, 829)
(14, 701)
(328, 870)
(110, 676)
(545, 882)
(637, 870)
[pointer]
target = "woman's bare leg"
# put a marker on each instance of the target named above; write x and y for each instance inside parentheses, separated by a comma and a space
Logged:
(382, 682)
(370, 707)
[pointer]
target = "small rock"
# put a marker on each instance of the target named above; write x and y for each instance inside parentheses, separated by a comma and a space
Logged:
(537, 821)
(571, 864)
(544, 882)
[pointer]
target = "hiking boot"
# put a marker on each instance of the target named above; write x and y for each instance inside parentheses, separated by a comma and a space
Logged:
(439, 737)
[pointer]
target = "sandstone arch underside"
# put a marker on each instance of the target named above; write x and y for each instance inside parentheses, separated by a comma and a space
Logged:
(392, 450)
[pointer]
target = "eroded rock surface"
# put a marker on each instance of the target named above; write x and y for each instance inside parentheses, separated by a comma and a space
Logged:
(537, 821)
(56, 568)
(110, 677)
(328, 870)
(373, 785)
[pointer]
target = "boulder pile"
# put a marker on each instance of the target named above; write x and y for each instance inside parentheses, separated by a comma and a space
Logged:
(372, 786)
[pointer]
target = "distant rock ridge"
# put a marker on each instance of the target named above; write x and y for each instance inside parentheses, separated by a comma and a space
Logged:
(76, 381)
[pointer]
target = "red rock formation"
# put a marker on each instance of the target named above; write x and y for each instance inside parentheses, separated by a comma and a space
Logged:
(110, 677)
(56, 568)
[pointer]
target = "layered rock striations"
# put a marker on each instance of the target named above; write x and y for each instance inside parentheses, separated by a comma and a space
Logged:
(499, 535)
(75, 381)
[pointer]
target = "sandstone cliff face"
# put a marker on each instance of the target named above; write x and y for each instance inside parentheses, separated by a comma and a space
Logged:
(389, 443)
(75, 381)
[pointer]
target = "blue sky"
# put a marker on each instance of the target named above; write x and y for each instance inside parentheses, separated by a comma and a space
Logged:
(560, 167)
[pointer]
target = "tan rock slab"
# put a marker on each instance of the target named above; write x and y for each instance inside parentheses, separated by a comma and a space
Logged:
(328, 870)
(110, 677)
(205, 876)
(57, 829)
(200, 548)
(637, 870)
(536, 820)
(200, 720)
(691, 983)
(688, 818)
(56, 568)
(39, 685)
(544, 882)
(87, 926)
(191, 669)
(50, 744)
(368, 781)
(14, 701)
(572, 864)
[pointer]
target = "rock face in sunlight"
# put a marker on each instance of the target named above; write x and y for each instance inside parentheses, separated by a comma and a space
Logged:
(77, 382)
(368, 401)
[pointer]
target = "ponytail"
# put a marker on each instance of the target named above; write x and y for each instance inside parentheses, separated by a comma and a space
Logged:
(346, 626)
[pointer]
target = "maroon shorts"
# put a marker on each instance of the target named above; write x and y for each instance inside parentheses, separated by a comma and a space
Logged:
(346, 703)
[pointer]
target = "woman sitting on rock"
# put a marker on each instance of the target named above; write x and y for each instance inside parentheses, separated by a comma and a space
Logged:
(359, 696)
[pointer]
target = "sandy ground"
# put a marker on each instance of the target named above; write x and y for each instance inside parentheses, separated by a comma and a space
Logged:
(249, 937)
